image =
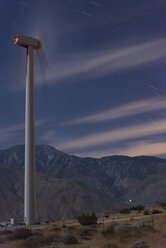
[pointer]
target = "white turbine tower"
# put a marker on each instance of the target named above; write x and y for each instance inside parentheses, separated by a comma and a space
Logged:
(30, 169)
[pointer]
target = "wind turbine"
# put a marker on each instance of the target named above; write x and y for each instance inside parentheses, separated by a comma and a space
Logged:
(30, 44)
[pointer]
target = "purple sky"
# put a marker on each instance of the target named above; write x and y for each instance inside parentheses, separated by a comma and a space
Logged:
(103, 89)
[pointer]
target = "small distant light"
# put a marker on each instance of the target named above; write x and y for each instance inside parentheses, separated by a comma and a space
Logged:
(130, 200)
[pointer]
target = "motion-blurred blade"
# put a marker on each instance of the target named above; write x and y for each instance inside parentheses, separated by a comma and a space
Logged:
(43, 62)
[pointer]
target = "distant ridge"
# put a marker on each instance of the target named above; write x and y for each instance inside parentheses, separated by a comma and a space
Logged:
(111, 180)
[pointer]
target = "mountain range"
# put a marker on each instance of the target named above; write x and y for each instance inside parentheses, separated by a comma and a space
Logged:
(69, 185)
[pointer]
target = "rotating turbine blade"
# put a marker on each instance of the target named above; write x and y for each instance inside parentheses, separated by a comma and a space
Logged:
(42, 58)
(43, 64)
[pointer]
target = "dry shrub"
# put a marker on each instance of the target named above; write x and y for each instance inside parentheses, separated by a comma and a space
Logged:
(140, 244)
(110, 245)
(5, 232)
(87, 219)
(69, 239)
(20, 233)
(2, 240)
(35, 242)
(55, 229)
(54, 236)
(128, 233)
(84, 232)
(123, 234)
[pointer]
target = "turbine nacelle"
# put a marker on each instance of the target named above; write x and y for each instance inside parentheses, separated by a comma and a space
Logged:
(26, 41)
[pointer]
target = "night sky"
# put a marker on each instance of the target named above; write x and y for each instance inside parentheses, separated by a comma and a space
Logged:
(100, 88)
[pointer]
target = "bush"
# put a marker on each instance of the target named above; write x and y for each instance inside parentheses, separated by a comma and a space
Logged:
(156, 211)
(20, 233)
(109, 231)
(2, 240)
(87, 219)
(122, 234)
(110, 245)
(53, 237)
(84, 232)
(21, 223)
(128, 233)
(92, 227)
(36, 232)
(47, 221)
(138, 208)
(69, 239)
(54, 228)
(35, 241)
(139, 243)
(38, 223)
(146, 212)
(5, 232)
(125, 211)
(68, 228)
(148, 228)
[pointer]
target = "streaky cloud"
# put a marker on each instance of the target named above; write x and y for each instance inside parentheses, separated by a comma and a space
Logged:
(102, 138)
(129, 109)
(97, 64)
